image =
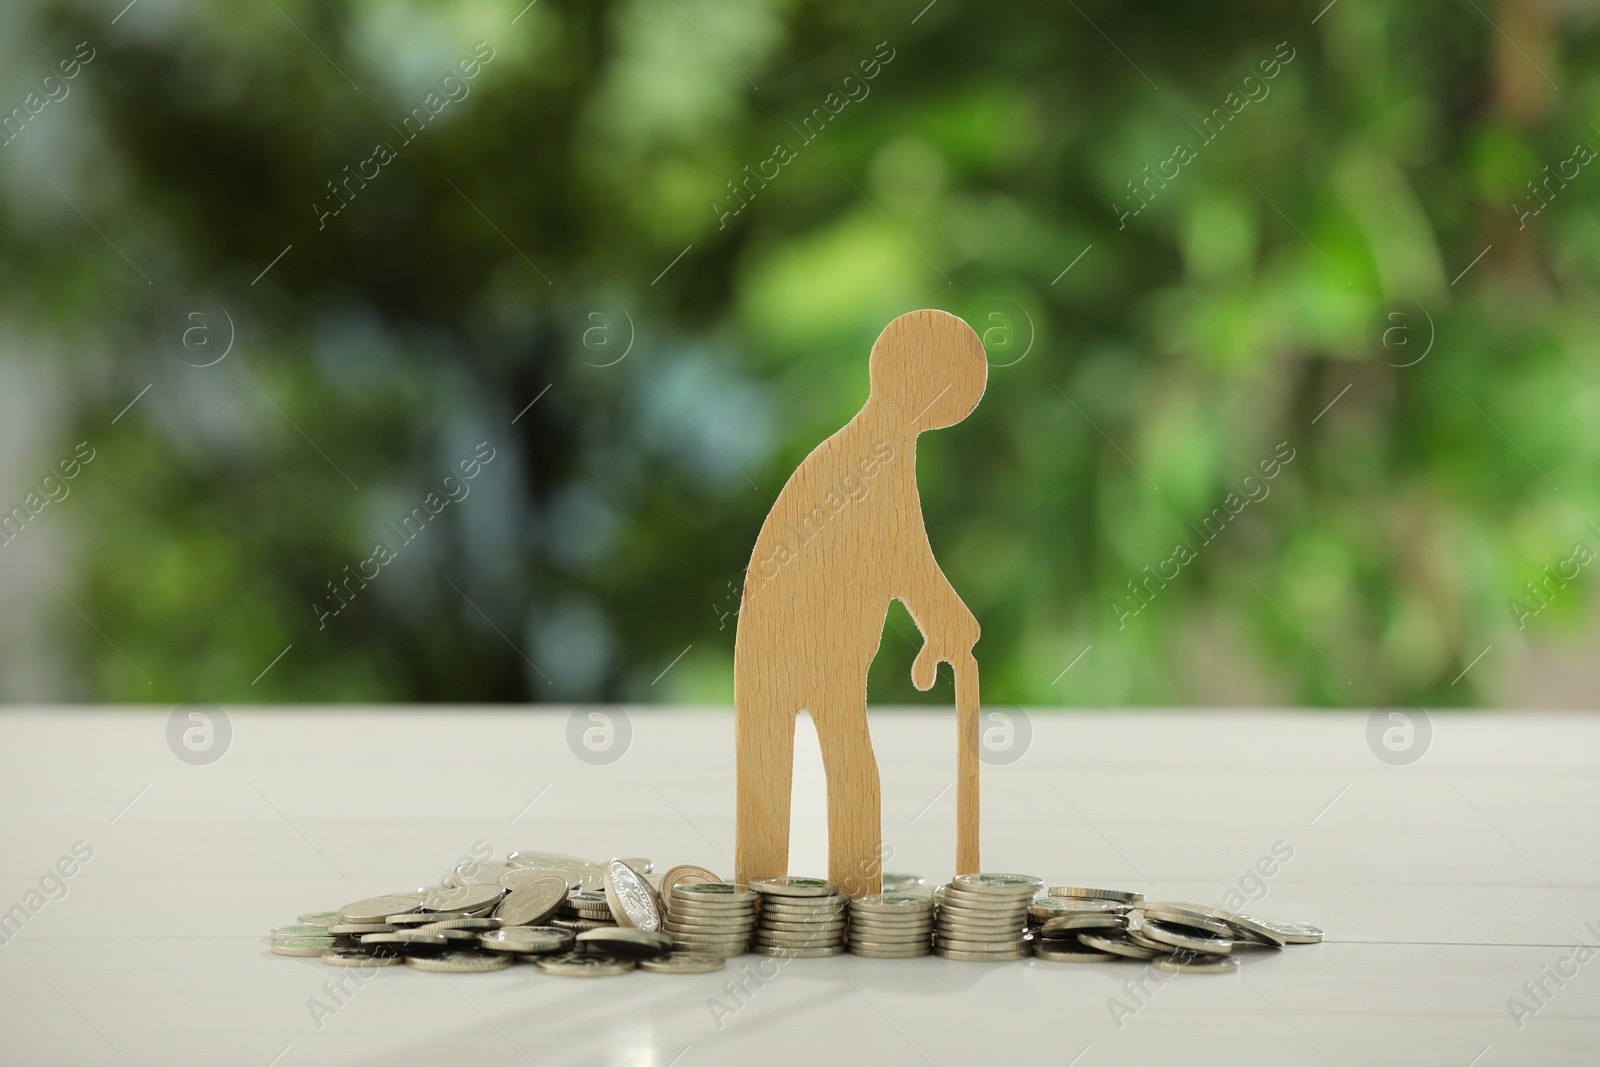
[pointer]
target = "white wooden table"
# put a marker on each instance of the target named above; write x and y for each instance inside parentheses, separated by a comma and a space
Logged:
(1444, 886)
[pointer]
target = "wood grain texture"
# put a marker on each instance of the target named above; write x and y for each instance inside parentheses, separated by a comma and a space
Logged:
(845, 538)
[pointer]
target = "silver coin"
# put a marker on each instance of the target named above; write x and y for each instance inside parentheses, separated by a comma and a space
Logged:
(467, 898)
(797, 937)
(1176, 936)
(423, 918)
(407, 938)
(579, 925)
(473, 873)
(1253, 930)
(983, 957)
(378, 909)
(824, 907)
(360, 957)
(683, 874)
(893, 904)
(712, 892)
(303, 946)
(526, 940)
(581, 965)
(1074, 892)
(684, 963)
(986, 945)
(1049, 907)
(1000, 884)
(1088, 920)
(1068, 952)
(533, 902)
(789, 885)
(898, 883)
(626, 941)
(633, 902)
(1211, 920)
(319, 918)
(1185, 963)
(471, 925)
(640, 864)
(357, 929)
(785, 952)
(290, 933)
(890, 929)
(588, 876)
(545, 859)
(517, 877)
(784, 924)
(1119, 945)
(460, 962)
(1293, 933)
(889, 953)
(886, 943)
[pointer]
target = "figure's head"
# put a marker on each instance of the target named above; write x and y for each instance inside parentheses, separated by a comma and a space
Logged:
(930, 368)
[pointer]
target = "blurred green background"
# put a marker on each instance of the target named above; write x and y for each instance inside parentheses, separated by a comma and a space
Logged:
(561, 228)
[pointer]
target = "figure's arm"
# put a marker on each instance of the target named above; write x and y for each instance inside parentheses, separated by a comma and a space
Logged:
(949, 629)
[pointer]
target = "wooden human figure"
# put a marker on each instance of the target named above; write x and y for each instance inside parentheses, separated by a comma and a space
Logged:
(844, 538)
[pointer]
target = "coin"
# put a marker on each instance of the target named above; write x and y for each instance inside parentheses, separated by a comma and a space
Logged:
(319, 918)
(723, 893)
(378, 909)
(303, 946)
(1176, 935)
(1088, 920)
(357, 929)
(290, 933)
(580, 965)
(984, 957)
(1293, 933)
(792, 886)
(681, 874)
(1068, 952)
(471, 925)
(684, 963)
(626, 941)
(1119, 946)
(1000, 884)
(1246, 928)
(1070, 891)
(526, 940)
(407, 939)
(875, 953)
(1048, 907)
(423, 918)
(579, 925)
(1188, 963)
(474, 873)
(1211, 920)
(360, 957)
(460, 962)
(632, 901)
(797, 953)
(532, 903)
(467, 898)
(896, 883)
(545, 859)
(640, 864)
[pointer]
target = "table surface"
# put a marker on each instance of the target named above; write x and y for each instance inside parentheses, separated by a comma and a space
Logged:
(1450, 888)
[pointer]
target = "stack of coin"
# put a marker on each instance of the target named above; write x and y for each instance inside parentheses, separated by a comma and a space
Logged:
(584, 909)
(984, 917)
(799, 917)
(712, 918)
(889, 926)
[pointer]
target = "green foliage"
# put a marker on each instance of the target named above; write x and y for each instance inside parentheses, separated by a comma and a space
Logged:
(536, 229)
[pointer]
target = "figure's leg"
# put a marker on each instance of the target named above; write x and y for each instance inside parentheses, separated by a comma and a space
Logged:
(763, 735)
(855, 819)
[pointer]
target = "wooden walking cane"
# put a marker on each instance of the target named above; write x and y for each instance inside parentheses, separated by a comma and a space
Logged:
(966, 671)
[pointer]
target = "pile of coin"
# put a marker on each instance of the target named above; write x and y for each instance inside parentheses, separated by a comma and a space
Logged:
(799, 918)
(1077, 925)
(984, 917)
(568, 916)
(710, 917)
(890, 926)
